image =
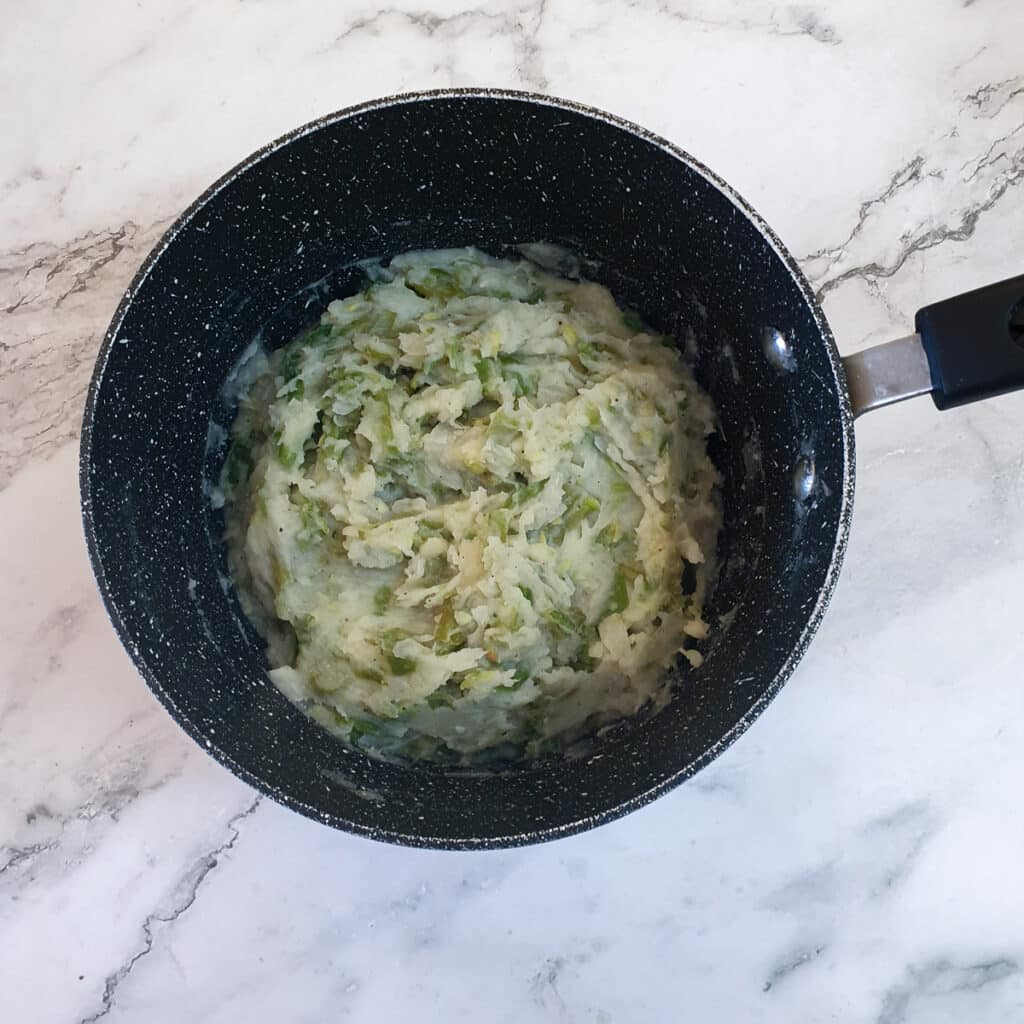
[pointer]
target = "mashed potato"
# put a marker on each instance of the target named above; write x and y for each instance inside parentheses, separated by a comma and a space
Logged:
(460, 509)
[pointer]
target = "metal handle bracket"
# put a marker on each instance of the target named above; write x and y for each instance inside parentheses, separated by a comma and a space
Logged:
(887, 373)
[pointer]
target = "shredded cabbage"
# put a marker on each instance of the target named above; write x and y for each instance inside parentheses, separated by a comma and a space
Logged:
(460, 509)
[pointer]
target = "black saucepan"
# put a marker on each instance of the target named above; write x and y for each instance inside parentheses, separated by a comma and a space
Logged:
(263, 250)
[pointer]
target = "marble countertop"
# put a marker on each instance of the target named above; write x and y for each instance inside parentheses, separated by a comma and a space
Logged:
(854, 857)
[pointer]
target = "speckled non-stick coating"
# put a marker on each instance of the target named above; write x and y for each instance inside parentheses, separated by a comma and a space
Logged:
(264, 249)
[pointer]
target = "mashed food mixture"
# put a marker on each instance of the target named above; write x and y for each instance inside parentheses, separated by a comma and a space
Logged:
(461, 509)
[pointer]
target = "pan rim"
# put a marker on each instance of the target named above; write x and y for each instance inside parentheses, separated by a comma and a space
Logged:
(584, 822)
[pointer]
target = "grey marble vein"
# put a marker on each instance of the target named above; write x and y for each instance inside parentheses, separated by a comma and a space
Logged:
(520, 23)
(990, 99)
(792, 962)
(789, 20)
(906, 831)
(106, 795)
(938, 978)
(873, 860)
(426, 21)
(928, 235)
(545, 984)
(926, 238)
(903, 176)
(14, 856)
(57, 300)
(185, 896)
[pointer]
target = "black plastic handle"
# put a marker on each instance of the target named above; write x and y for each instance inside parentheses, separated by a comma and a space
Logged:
(975, 343)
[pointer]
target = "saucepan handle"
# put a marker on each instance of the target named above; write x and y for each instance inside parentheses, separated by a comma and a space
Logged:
(966, 348)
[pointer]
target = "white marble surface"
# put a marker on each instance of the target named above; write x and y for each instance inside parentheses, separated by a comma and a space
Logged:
(855, 857)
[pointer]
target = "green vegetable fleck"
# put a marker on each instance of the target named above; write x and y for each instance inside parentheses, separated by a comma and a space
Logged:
(303, 626)
(618, 597)
(447, 636)
(632, 321)
(314, 524)
(435, 284)
(362, 727)
(238, 464)
(561, 621)
(291, 361)
(285, 455)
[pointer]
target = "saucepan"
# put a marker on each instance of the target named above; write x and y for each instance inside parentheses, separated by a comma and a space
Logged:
(266, 247)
